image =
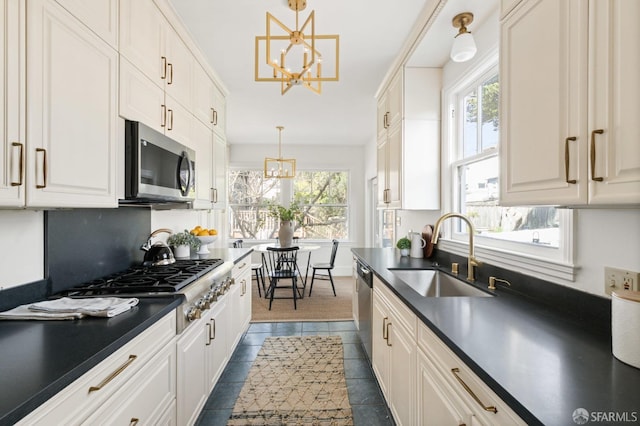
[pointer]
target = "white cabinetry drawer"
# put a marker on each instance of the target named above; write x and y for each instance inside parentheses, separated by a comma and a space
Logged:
(477, 397)
(81, 398)
(143, 399)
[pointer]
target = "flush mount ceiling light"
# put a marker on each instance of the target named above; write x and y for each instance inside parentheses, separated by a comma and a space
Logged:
(279, 168)
(293, 57)
(464, 46)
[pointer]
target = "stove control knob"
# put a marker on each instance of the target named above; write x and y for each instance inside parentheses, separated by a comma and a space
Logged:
(212, 296)
(194, 314)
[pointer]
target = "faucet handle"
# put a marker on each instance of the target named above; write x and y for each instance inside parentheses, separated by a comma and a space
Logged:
(474, 261)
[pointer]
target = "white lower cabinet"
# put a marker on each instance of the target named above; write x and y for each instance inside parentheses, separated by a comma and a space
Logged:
(421, 378)
(136, 381)
(394, 353)
(450, 393)
(204, 348)
(145, 399)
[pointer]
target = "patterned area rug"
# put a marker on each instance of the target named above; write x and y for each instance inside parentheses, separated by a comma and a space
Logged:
(295, 381)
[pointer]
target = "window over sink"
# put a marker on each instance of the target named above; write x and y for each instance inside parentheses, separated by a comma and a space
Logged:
(542, 233)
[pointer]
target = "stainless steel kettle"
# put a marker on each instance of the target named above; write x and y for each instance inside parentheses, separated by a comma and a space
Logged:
(157, 253)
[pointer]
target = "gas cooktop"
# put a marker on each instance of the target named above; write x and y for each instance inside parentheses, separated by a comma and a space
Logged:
(146, 279)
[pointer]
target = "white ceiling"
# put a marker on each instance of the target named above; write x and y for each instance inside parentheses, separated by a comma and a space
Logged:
(372, 32)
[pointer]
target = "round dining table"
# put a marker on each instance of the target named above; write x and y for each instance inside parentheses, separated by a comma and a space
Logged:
(302, 248)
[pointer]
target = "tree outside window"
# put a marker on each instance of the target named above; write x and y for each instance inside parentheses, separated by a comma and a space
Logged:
(322, 196)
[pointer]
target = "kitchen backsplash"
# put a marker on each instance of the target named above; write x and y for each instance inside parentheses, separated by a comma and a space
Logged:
(84, 244)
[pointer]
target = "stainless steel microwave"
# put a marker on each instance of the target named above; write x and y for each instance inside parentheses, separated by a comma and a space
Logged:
(157, 168)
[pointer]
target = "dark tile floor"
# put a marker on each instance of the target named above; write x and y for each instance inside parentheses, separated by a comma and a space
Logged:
(367, 402)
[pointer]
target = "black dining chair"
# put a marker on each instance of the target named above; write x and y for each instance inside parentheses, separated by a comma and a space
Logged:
(281, 265)
(257, 269)
(325, 267)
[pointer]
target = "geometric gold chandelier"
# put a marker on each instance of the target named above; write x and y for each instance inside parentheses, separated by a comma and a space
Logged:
(279, 168)
(293, 57)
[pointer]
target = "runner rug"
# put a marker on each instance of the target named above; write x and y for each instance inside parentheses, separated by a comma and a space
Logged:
(295, 381)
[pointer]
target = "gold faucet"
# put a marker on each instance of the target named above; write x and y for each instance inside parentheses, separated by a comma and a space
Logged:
(473, 262)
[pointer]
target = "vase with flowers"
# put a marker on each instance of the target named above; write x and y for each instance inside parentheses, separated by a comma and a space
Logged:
(287, 216)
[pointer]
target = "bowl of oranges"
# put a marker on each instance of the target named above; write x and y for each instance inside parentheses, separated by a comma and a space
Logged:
(206, 237)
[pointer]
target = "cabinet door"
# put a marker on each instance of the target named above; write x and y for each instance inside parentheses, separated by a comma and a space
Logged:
(436, 402)
(72, 114)
(402, 368)
(380, 348)
(216, 347)
(382, 116)
(180, 68)
(142, 38)
(219, 112)
(101, 16)
(219, 172)
(381, 159)
(202, 140)
(140, 99)
(191, 379)
(177, 121)
(394, 154)
(395, 100)
(12, 90)
(203, 101)
(244, 278)
(543, 103)
(614, 102)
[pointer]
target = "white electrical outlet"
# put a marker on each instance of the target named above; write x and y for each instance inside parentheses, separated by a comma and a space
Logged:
(620, 279)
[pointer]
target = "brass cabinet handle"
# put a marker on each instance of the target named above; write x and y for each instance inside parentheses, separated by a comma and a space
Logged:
(170, 81)
(134, 421)
(215, 194)
(215, 117)
(114, 374)
(244, 287)
(388, 325)
(163, 119)
(566, 158)
(384, 328)
(20, 163)
(213, 329)
(164, 68)
(170, 119)
(208, 334)
(242, 265)
(593, 155)
(466, 387)
(44, 167)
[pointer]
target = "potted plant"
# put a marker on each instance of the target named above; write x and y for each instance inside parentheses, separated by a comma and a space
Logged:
(404, 244)
(286, 215)
(183, 242)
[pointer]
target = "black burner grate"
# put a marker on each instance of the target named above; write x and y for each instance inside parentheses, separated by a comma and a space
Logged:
(147, 279)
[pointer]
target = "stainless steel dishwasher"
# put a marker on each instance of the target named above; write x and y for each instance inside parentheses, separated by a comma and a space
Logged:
(364, 287)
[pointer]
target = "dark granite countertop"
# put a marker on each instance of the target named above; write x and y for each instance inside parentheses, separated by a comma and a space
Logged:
(40, 358)
(541, 361)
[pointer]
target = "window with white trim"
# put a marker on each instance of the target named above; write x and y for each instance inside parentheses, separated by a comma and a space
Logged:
(321, 195)
(474, 168)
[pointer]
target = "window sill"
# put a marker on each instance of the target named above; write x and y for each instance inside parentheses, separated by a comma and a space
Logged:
(545, 269)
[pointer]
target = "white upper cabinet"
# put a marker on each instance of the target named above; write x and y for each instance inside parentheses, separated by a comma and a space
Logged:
(153, 47)
(72, 117)
(408, 123)
(12, 90)
(209, 104)
(570, 99)
(101, 16)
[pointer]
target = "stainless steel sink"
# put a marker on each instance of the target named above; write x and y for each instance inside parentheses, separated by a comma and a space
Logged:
(432, 283)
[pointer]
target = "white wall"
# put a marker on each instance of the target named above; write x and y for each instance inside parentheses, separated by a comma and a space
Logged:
(21, 247)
